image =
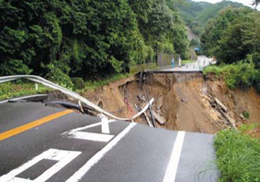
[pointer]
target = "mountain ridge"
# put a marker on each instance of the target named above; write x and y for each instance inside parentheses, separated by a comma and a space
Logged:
(196, 14)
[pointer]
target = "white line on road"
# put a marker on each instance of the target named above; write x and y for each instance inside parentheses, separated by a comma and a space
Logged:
(175, 158)
(17, 179)
(105, 125)
(71, 132)
(91, 162)
(92, 136)
(79, 134)
(63, 156)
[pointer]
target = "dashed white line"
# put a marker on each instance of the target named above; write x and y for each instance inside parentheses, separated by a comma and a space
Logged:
(91, 162)
(171, 171)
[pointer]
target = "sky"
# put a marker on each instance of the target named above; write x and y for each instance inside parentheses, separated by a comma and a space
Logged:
(245, 2)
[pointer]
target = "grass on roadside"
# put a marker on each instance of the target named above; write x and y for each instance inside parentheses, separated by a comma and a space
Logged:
(16, 89)
(238, 156)
(91, 85)
(146, 66)
(10, 89)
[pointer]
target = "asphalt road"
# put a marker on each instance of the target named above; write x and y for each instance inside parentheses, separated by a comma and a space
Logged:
(197, 66)
(40, 143)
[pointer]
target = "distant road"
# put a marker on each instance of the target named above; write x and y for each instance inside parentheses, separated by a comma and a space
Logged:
(196, 66)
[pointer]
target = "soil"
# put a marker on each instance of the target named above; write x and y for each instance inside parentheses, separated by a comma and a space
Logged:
(183, 100)
(191, 34)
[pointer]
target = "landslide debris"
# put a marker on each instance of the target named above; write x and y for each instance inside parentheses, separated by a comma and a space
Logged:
(186, 102)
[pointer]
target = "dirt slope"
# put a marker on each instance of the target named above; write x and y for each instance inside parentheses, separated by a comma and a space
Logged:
(185, 101)
(191, 34)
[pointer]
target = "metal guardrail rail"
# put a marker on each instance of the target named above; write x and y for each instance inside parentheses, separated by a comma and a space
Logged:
(72, 94)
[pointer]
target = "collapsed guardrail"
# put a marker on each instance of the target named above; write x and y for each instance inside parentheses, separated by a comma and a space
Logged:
(72, 94)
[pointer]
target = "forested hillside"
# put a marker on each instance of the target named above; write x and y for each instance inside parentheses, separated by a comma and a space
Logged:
(86, 38)
(233, 37)
(196, 14)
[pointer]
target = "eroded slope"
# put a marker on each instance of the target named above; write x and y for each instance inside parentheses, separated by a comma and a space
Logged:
(185, 101)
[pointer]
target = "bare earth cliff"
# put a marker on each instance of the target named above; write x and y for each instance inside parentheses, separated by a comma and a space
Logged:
(186, 102)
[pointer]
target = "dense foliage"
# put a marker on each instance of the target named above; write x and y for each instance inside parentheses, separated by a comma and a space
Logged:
(196, 14)
(60, 39)
(233, 35)
(240, 75)
(238, 156)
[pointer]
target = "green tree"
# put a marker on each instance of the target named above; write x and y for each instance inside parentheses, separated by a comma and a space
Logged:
(233, 36)
(63, 38)
(194, 42)
(161, 26)
(216, 37)
(78, 37)
(256, 3)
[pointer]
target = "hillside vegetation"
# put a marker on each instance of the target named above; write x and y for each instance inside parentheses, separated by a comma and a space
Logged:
(196, 14)
(233, 37)
(241, 75)
(91, 38)
(237, 156)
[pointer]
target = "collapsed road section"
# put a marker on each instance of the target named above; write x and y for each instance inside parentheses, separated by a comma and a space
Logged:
(182, 101)
(40, 142)
(74, 147)
(52, 137)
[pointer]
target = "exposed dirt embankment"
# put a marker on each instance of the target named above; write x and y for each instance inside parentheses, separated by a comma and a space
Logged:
(191, 34)
(185, 101)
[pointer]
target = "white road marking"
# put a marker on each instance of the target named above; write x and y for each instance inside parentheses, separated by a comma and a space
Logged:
(63, 157)
(79, 134)
(17, 179)
(95, 159)
(105, 125)
(92, 136)
(71, 132)
(171, 171)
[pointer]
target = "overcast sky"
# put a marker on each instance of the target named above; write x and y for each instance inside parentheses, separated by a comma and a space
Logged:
(245, 2)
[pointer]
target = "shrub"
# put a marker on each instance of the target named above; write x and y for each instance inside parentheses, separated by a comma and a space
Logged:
(246, 114)
(241, 75)
(78, 83)
(56, 75)
(194, 42)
